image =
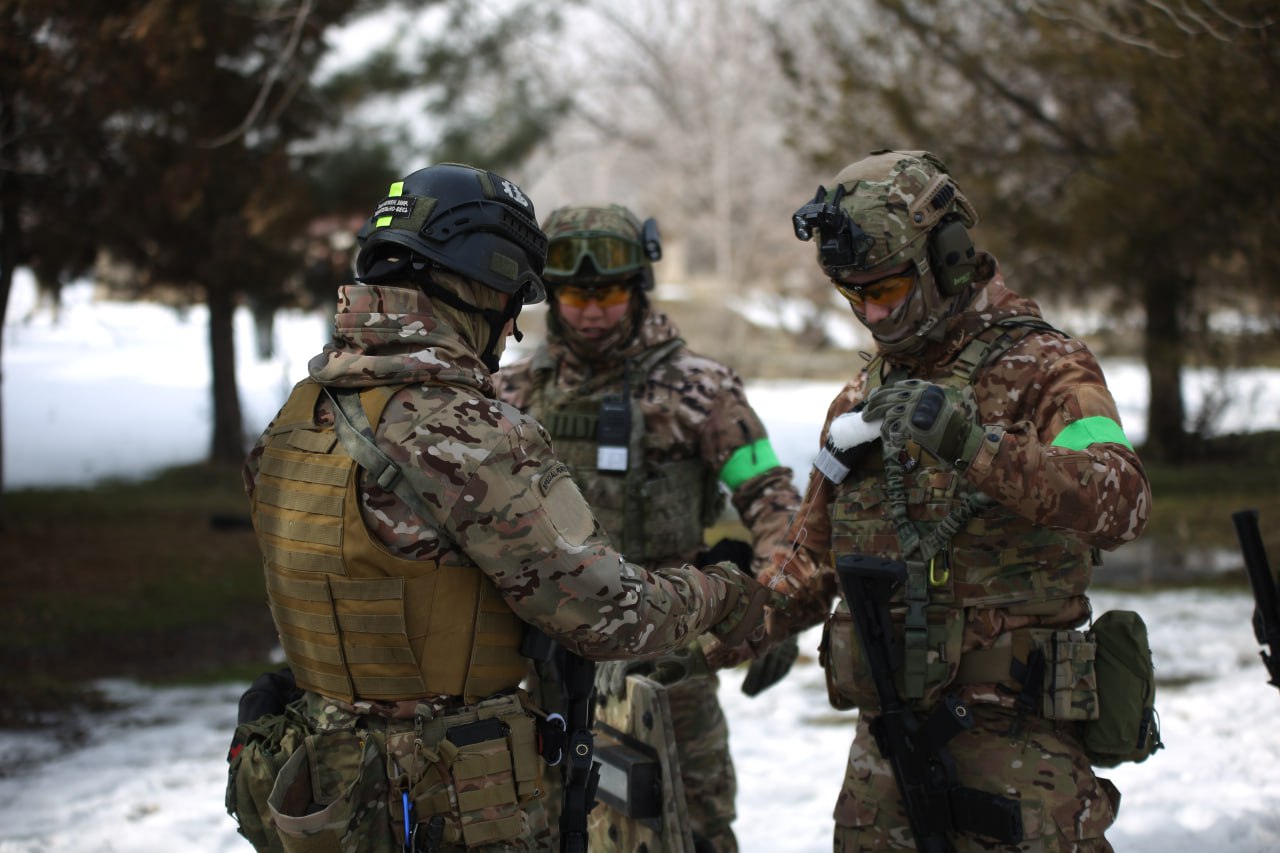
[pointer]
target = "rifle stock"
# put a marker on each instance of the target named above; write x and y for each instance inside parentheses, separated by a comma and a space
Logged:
(1266, 612)
(935, 802)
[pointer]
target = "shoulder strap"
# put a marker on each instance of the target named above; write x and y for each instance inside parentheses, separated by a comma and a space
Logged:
(995, 341)
(356, 434)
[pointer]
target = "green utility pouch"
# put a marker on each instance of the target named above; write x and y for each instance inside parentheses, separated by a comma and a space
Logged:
(261, 748)
(1127, 727)
(331, 795)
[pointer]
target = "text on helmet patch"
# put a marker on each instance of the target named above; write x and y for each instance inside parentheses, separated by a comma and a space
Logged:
(393, 206)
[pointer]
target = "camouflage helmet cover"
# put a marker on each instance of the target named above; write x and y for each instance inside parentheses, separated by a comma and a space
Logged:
(468, 220)
(896, 198)
(577, 234)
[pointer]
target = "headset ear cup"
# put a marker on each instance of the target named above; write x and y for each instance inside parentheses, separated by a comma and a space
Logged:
(952, 256)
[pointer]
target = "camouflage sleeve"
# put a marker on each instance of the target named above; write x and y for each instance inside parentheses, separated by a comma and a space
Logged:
(520, 517)
(734, 441)
(1063, 459)
(800, 567)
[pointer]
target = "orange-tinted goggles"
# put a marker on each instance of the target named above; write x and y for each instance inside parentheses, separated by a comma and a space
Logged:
(606, 295)
(884, 292)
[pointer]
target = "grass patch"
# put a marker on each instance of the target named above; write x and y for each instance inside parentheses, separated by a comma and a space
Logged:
(127, 580)
(1192, 502)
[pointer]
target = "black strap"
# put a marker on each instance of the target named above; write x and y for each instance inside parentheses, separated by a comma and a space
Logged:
(581, 772)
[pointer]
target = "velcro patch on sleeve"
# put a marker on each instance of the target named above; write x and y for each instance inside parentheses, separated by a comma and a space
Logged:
(556, 471)
(564, 506)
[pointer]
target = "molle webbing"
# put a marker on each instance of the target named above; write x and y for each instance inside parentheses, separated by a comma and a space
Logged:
(355, 621)
(652, 510)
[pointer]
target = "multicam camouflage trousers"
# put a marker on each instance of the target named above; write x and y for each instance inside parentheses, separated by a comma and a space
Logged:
(706, 768)
(1065, 807)
(470, 778)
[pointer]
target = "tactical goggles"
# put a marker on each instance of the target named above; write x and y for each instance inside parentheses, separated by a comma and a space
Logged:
(884, 292)
(604, 295)
(609, 253)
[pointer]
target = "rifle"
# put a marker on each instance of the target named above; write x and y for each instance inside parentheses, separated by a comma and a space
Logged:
(935, 802)
(569, 740)
(1266, 613)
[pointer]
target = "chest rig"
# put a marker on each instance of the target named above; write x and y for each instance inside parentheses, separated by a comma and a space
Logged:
(355, 621)
(962, 550)
(651, 508)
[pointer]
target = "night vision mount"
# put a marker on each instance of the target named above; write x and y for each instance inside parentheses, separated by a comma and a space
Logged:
(843, 244)
(651, 239)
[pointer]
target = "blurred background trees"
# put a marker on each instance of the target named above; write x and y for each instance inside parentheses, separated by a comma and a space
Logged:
(1122, 153)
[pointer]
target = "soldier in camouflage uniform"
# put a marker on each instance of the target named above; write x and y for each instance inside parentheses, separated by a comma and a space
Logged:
(981, 446)
(685, 428)
(413, 527)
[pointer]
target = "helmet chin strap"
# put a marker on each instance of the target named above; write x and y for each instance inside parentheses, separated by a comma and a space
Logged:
(497, 319)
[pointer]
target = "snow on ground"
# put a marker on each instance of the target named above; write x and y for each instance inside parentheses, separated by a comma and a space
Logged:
(119, 391)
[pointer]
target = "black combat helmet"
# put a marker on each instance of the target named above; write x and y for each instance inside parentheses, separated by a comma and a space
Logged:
(467, 220)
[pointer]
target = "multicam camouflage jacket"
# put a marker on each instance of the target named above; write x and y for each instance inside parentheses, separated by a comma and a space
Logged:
(1093, 497)
(499, 498)
(692, 408)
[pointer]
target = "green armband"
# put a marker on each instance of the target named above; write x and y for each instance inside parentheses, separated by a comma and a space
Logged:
(748, 461)
(1089, 431)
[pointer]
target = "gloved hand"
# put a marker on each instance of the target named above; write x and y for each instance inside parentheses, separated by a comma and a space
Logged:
(742, 614)
(942, 420)
(770, 668)
(732, 550)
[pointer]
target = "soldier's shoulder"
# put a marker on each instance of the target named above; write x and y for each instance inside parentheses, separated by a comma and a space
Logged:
(696, 368)
(469, 414)
(1046, 347)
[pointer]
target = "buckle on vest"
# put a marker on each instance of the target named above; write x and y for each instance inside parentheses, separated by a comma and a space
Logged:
(386, 480)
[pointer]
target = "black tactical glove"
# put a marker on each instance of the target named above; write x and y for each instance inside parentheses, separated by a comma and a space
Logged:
(732, 550)
(942, 420)
(770, 668)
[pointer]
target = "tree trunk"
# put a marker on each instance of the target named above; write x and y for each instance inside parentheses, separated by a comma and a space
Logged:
(1163, 353)
(228, 429)
(10, 237)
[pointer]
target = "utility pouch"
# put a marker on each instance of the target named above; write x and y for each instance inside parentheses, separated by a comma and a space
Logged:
(484, 781)
(331, 794)
(1070, 690)
(489, 758)
(849, 682)
(1127, 727)
(260, 748)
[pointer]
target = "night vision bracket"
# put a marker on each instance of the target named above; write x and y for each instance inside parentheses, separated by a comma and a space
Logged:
(843, 244)
(651, 239)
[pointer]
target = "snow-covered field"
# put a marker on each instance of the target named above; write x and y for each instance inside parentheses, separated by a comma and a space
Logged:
(118, 391)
